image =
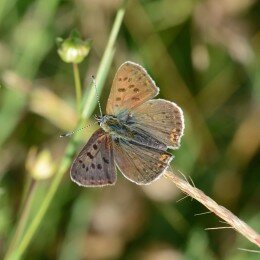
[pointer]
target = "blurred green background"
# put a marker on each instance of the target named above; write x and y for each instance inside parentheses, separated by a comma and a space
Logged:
(204, 55)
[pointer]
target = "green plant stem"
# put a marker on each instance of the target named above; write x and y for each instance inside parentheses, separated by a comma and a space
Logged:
(23, 217)
(77, 85)
(90, 102)
(104, 66)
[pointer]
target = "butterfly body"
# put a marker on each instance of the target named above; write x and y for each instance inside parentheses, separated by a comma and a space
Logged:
(134, 135)
(124, 128)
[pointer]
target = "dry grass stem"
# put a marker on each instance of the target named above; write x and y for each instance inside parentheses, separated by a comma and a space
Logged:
(217, 228)
(202, 213)
(249, 250)
(235, 223)
(183, 198)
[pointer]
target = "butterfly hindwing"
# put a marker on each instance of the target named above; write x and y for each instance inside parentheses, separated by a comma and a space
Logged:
(139, 163)
(94, 166)
(160, 118)
(131, 87)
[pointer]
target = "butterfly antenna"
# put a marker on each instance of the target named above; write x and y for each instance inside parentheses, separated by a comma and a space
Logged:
(77, 130)
(98, 100)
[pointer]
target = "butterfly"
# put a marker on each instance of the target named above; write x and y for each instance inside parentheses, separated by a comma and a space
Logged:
(134, 135)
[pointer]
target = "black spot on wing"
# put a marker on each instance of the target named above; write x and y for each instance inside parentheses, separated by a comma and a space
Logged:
(90, 155)
(105, 160)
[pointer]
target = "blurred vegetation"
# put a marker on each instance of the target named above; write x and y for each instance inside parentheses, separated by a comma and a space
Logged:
(204, 55)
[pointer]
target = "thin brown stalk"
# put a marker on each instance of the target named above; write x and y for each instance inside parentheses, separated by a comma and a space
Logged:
(236, 223)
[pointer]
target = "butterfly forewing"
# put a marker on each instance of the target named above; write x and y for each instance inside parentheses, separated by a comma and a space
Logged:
(131, 87)
(160, 118)
(139, 163)
(94, 166)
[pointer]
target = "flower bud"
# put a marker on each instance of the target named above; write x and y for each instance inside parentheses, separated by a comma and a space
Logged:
(73, 49)
(40, 165)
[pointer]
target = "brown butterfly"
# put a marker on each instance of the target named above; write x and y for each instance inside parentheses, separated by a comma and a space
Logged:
(134, 135)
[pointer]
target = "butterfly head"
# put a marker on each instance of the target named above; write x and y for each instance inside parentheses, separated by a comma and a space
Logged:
(109, 123)
(102, 121)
